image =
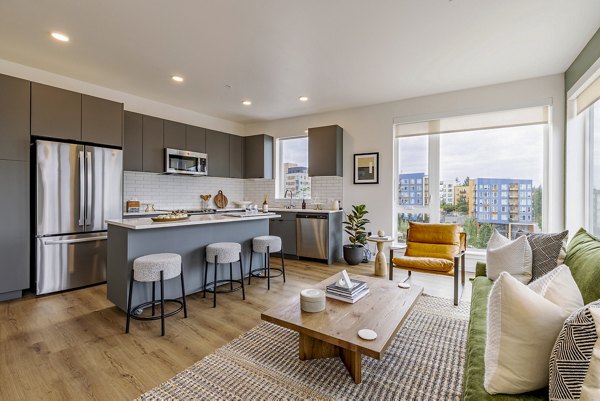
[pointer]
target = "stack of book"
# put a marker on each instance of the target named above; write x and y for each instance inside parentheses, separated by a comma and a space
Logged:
(358, 290)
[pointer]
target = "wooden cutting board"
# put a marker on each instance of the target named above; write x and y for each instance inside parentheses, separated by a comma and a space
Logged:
(221, 200)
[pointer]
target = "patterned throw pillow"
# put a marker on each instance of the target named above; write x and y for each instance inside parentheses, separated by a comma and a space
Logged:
(546, 250)
(572, 356)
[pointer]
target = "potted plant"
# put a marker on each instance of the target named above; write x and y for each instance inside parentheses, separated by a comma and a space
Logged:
(354, 226)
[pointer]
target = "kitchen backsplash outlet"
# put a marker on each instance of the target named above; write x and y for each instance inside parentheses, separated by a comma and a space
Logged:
(176, 191)
(324, 190)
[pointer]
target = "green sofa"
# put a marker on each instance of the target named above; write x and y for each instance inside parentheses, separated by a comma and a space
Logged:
(583, 258)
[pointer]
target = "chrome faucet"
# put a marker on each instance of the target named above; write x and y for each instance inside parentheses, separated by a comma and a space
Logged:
(291, 205)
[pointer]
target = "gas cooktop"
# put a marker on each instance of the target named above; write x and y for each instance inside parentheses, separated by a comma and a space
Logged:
(201, 211)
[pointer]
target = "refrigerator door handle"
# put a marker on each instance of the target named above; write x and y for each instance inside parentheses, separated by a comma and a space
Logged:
(75, 241)
(81, 190)
(88, 209)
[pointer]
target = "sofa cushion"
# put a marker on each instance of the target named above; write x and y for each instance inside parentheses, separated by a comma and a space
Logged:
(547, 250)
(433, 264)
(473, 389)
(521, 330)
(575, 357)
(583, 257)
(504, 255)
(433, 240)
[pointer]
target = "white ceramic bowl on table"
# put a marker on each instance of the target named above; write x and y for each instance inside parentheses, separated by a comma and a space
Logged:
(243, 204)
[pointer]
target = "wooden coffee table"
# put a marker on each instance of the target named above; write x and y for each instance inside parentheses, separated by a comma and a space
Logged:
(334, 332)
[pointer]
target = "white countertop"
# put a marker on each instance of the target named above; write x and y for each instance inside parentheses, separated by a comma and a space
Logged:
(144, 223)
(298, 210)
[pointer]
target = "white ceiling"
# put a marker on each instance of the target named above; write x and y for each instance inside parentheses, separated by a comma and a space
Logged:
(339, 53)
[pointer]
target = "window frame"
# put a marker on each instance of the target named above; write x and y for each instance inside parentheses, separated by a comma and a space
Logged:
(279, 177)
(434, 165)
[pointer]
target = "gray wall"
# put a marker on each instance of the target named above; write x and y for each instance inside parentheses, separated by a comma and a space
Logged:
(585, 59)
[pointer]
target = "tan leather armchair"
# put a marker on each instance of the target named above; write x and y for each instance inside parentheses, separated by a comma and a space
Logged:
(435, 249)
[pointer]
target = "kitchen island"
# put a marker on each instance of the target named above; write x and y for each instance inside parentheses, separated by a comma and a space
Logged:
(132, 238)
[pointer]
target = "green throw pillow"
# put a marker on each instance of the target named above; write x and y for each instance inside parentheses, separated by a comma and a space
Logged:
(583, 257)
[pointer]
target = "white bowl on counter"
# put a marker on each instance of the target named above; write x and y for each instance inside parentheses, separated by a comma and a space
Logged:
(242, 204)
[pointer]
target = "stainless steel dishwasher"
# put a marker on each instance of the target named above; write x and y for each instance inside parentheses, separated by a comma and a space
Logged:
(312, 231)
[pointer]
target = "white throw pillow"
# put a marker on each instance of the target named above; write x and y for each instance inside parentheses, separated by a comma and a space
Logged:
(559, 287)
(504, 255)
(522, 327)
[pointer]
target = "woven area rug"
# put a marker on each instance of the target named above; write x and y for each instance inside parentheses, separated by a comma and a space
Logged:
(424, 362)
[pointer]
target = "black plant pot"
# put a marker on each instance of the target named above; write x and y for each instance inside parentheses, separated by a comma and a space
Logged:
(353, 254)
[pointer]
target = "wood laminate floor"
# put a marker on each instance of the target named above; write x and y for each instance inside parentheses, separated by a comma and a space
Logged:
(72, 345)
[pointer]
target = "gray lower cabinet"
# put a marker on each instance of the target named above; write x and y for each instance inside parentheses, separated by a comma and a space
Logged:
(153, 150)
(55, 112)
(14, 230)
(285, 228)
(325, 151)
(101, 121)
(132, 142)
(258, 156)
(217, 151)
(174, 135)
(14, 118)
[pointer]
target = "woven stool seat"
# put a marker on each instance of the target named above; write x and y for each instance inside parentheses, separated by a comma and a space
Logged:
(147, 268)
(260, 244)
(226, 252)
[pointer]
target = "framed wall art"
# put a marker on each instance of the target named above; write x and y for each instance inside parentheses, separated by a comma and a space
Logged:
(366, 168)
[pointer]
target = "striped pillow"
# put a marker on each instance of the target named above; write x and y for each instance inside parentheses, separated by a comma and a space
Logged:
(573, 365)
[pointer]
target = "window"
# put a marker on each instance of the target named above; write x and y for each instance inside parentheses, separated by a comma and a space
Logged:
(293, 168)
(594, 166)
(490, 178)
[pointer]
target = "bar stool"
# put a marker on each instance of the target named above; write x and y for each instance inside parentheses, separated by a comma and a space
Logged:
(219, 253)
(266, 244)
(153, 268)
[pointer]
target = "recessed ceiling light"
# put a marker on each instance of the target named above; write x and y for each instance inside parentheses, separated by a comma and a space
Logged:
(303, 98)
(246, 102)
(59, 36)
(177, 78)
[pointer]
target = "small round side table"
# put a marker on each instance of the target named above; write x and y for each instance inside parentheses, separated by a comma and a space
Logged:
(381, 267)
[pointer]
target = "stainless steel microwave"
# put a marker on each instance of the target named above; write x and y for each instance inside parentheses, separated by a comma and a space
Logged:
(185, 162)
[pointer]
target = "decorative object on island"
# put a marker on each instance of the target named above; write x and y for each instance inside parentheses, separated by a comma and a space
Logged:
(265, 205)
(354, 226)
(335, 205)
(347, 290)
(176, 215)
(381, 266)
(303, 204)
(312, 300)
(221, 200)
(366, 168)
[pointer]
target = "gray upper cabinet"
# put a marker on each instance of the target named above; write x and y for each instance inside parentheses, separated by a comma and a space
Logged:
(217, 151)
(14, 118)
(153, 152)
(101, 121)
(325, 151)
(236, 156)
(132, 142)
(14, 230)
(195, 139)
(55, 113)
(174, 135)
(258, 156)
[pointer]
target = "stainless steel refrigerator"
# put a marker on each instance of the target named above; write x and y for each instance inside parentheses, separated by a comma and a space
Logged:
(78, 187)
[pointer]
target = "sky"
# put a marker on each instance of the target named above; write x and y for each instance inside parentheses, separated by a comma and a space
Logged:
(515, 152)
(296, 151)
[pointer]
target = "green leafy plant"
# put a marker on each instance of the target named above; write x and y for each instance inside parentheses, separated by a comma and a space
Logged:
(355, 224)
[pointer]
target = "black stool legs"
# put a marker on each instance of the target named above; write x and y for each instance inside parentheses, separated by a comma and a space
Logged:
(230, 280)
(267, 268)
(129, 301)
